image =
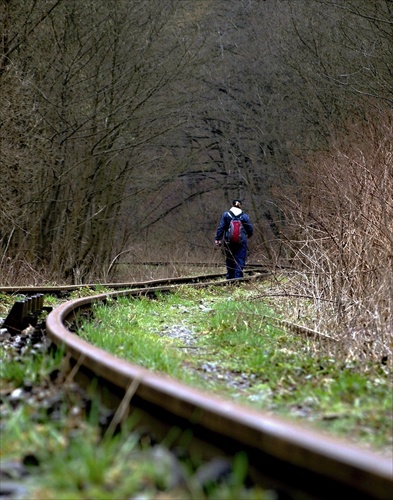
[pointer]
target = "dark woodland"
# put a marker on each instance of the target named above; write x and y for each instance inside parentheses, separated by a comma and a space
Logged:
(126, 129)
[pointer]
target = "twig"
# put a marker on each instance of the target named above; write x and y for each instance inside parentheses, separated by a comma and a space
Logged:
(122, 408)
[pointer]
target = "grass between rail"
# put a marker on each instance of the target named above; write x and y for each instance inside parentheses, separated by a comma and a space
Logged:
(222, 339)
(218, 339)
(67, 457)
(54, 443)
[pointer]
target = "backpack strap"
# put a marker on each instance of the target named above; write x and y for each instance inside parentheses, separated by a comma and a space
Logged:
(233, 216)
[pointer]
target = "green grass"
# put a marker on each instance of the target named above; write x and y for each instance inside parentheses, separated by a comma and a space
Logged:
(7, 301)
(75, 463)
(140, 346)
(236, 352)
(226, 345)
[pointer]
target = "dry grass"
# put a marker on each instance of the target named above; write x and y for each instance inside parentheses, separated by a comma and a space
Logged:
(341, 236)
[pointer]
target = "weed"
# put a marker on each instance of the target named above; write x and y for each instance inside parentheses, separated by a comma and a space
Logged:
(222, 340)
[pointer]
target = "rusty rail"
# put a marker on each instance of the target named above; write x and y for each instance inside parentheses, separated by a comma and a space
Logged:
(282, 455)
(65, 289)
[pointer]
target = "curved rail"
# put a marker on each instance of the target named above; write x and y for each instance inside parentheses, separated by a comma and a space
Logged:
(64, 289)
(281, 455)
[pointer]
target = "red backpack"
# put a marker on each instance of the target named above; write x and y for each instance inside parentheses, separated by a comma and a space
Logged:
(234, 233)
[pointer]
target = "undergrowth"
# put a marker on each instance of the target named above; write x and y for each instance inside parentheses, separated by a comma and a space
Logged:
(223, 340)
(339, 234)
(54, 445)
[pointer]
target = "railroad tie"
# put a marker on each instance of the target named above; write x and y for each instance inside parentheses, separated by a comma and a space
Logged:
(24, 313)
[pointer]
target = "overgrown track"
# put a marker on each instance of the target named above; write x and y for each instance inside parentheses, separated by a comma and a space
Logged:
(64, 289)
(282, 456)
(250, 270)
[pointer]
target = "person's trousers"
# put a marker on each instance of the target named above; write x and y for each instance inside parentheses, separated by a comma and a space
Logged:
(235, 259)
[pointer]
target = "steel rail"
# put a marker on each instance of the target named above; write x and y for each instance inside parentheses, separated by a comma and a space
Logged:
(282, 455)
(56, 289)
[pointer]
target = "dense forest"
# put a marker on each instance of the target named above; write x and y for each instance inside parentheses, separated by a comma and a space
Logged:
(127, 127)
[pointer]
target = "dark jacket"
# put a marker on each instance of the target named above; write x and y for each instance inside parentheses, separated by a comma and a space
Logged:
(247, 229)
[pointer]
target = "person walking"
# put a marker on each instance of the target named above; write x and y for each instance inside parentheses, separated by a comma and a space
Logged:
(235, 253)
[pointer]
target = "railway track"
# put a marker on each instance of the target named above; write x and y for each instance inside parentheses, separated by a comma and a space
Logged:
(281, 455)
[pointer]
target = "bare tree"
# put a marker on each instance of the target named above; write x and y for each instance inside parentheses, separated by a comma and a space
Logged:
(342, 227)
(98, 103)
(132, 126)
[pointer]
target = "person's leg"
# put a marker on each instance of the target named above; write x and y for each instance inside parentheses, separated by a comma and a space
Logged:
(240, 260)
(230, 263)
